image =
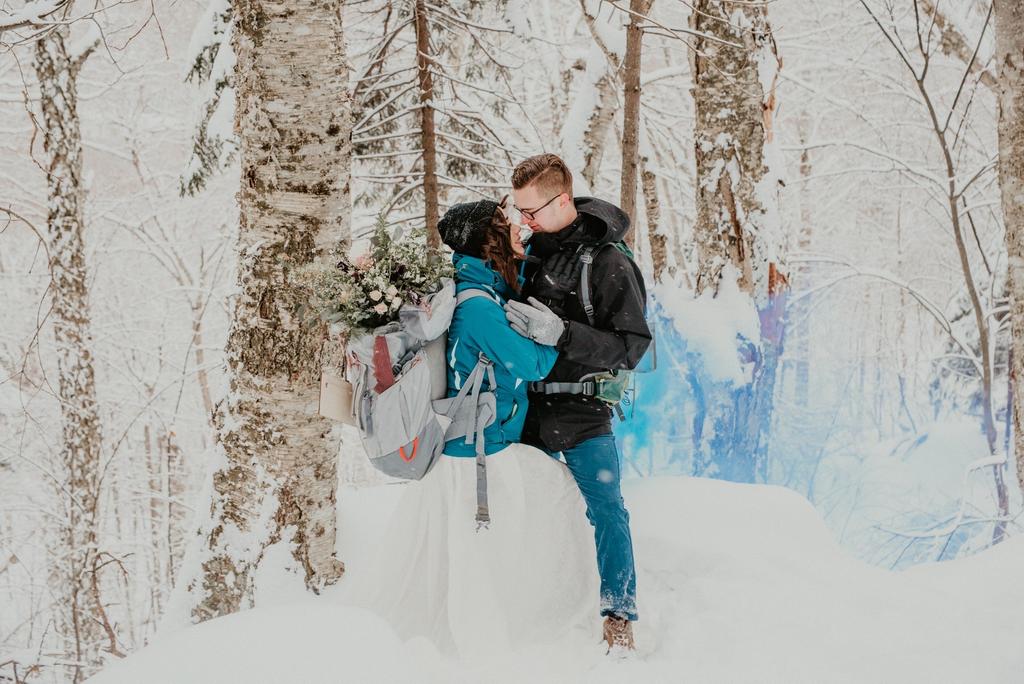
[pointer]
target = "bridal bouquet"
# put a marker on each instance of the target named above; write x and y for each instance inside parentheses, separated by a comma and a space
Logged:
(362, 293)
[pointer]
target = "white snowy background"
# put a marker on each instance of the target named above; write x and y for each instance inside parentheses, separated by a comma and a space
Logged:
(867, 557)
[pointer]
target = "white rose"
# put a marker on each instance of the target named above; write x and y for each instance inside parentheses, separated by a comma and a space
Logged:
(381, 308)
(392, 291)
(397, 302)
(376, 295)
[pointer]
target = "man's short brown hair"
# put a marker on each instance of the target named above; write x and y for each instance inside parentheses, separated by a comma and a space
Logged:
(547, 171)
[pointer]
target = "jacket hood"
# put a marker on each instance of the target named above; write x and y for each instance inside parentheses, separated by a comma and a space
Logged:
(471, 269)
(602, 222)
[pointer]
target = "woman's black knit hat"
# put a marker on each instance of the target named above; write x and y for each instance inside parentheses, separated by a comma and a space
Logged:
(464, 226)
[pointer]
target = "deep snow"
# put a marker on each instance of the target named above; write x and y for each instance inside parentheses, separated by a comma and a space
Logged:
(737, 583)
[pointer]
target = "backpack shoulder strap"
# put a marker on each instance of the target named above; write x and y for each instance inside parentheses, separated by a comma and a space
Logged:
(469, 416)
(587, 255)
(587, 260)
(474, 429)
(472, 292)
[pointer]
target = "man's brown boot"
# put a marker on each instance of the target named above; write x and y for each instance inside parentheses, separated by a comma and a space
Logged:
(618, 632)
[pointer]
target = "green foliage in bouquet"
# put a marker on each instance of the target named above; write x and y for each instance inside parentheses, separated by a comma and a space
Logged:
(366, 291)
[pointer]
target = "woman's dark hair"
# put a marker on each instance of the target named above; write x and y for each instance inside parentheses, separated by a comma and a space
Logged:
(497, 247)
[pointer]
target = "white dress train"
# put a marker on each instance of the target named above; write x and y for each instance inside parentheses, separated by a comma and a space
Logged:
(530, 577)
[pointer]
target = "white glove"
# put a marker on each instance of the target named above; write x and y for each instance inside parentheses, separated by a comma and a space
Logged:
(536, 321)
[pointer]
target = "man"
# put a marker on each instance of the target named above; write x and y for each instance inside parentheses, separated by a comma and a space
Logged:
(564, 414)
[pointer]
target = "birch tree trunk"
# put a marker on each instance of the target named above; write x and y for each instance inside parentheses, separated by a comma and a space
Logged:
(799, 311)
(592, 112)
(277, 476)
(737, 220)
(597, 128)
(735, 67)
(631, 112)
(78, 612)
(1009, 19)
(202, 377)
(657, 239)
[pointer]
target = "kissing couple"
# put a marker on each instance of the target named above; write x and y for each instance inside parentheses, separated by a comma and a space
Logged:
(549, 293)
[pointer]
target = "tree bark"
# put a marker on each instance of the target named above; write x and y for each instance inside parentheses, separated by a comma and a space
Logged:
(738, 222)
(1009, 27)
(78, 609)
(631, 112)
(733, 124)
(276, 478)
(658, 240)
(799, 311)
(428, 137)
(584, 147)
(202, 377)
(596, 131)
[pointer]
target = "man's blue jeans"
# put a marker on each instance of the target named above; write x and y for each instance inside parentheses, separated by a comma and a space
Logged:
(595, 465)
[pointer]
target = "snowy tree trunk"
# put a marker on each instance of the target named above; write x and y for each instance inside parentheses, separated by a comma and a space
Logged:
(277, 476)
(799, 311)
(737, 219)
(598, 124)
(428, 136)
(631, 112)
(202, 377)
(78, 612)
(735, 68)
(1009, 19)
(656, 237)
(592, 112)
(664, 229)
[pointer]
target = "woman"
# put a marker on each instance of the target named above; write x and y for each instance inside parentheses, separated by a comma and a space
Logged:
(529, 577)
(486, 246)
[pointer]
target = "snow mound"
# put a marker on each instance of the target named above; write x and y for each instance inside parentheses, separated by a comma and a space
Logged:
(737, 583)
(309, 641)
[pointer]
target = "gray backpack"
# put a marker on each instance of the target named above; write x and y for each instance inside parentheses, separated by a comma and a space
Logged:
(399, 378)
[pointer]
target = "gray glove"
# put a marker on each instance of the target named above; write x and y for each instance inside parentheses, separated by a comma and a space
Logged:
(536, 321)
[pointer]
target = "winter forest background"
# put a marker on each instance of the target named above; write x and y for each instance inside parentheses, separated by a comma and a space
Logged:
(824, 193)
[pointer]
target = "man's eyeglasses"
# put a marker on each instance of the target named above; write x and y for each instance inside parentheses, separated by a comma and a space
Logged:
(532, 213)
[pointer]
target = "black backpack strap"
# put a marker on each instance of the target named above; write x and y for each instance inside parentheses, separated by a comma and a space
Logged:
(587, 260)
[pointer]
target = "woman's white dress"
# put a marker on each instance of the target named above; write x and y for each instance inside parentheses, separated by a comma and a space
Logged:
(530, 577)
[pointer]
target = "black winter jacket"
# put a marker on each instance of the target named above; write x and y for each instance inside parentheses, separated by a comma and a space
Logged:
(618, 339)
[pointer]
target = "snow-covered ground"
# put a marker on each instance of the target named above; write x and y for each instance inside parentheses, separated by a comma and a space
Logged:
(737, 583)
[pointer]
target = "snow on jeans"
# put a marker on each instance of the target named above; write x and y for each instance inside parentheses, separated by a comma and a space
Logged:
(594, 464)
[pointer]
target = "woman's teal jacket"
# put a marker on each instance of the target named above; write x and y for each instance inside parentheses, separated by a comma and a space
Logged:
(479, 325)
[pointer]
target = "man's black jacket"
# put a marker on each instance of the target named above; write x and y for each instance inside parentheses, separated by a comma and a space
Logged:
(617, 340)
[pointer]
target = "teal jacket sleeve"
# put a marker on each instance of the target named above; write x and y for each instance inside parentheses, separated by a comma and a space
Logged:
(520, 356)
